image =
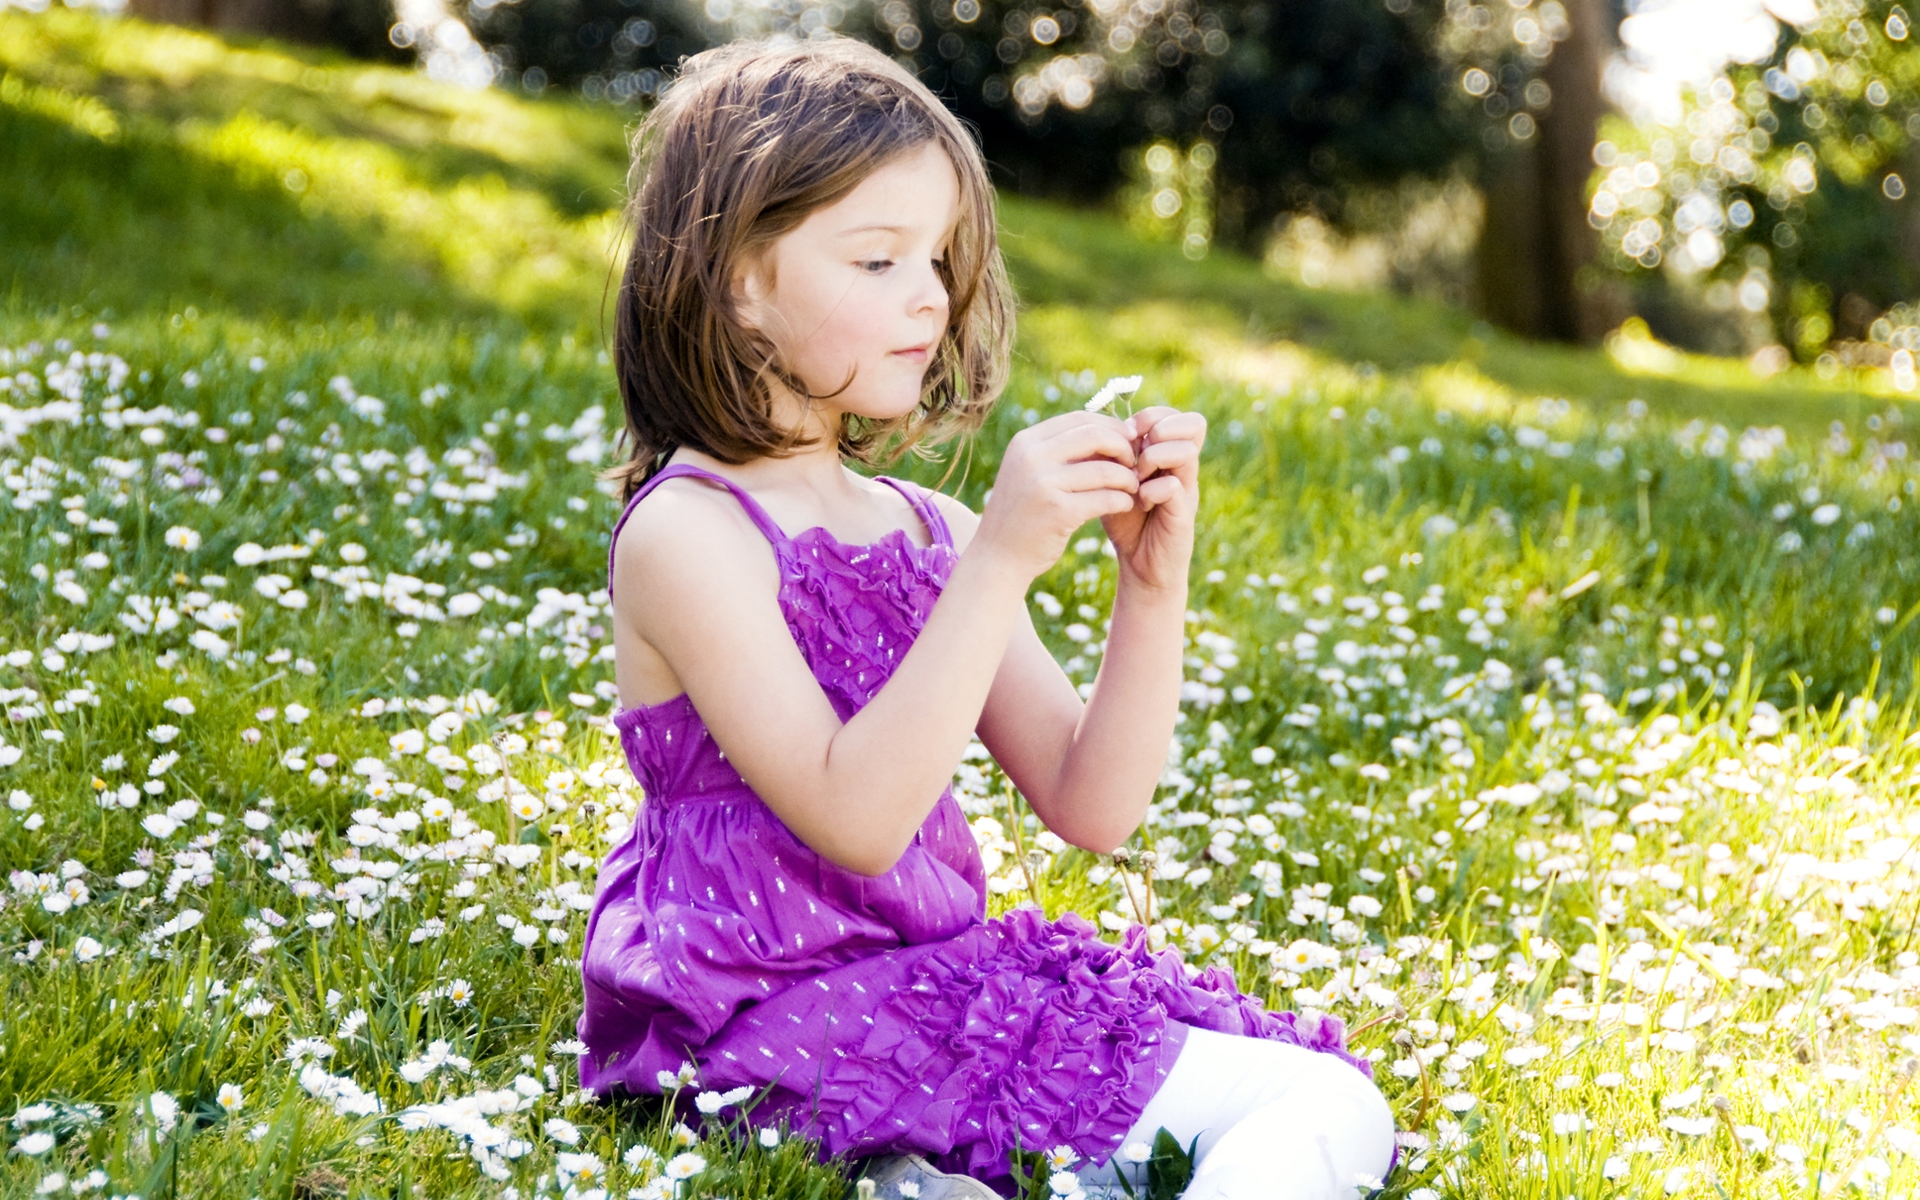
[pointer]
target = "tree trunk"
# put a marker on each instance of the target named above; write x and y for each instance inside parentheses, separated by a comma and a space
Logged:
(1536, 259)
(1512, 247)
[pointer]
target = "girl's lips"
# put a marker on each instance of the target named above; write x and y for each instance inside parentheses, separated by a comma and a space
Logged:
(916, 353)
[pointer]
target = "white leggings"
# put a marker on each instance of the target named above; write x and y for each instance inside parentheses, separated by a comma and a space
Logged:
(1275, 1122)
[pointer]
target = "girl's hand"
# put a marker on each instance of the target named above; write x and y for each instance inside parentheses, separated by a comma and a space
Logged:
(1153, 540)
(1055, 477)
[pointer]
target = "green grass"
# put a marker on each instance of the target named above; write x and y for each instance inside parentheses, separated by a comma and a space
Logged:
(1581, 731)
(173, 169)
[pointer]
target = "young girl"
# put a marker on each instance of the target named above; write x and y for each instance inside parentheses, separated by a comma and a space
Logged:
(804, 652)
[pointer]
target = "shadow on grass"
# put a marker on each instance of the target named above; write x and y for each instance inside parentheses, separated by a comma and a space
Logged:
(338, 98)
(160, 159)
(573, 153)
(179, 232)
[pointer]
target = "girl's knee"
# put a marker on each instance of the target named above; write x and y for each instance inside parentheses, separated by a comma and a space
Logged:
(1342, 1087)
(1324, 1079)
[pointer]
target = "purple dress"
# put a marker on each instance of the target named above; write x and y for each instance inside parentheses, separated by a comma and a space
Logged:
(893, 1016)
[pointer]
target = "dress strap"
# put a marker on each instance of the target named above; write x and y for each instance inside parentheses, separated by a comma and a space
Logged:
(759, 515)
(928, 510)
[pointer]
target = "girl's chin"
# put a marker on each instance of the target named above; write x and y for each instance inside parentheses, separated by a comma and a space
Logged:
(885, 408)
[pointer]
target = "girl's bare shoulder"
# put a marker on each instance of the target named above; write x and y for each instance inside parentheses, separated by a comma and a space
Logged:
(961, 520)
(686, 538)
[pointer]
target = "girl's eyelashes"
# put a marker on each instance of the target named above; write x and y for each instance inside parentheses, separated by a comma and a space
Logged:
(875, 266)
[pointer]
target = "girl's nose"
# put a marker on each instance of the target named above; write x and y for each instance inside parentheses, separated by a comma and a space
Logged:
(930, 291)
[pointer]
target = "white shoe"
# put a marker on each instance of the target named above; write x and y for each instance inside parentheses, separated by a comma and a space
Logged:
(891, 1171)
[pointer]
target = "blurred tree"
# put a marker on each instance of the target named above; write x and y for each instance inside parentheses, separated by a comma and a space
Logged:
(616, 50)
(1783, 195)
(1294, 104)
(1324, 96)
(359, 27)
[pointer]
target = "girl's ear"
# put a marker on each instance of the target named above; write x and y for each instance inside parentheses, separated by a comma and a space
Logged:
(749, 288)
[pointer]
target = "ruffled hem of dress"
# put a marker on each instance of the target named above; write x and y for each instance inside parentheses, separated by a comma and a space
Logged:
(1040, 1036)
(1082, 1043)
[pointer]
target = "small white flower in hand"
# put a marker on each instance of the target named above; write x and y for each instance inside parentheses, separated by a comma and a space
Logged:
(1111, 390)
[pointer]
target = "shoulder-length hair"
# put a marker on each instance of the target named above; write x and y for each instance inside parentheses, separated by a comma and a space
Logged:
(747, 141)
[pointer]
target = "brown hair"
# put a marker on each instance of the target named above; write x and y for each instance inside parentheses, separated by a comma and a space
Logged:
(749, 140)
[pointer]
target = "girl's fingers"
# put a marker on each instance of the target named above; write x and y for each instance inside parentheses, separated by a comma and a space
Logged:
(1162, 490)
(1096, 473)
(1146, 418)
(1068, 422)
(1170, 425)
(1102, 502)
(1082, 440)
(1167, 455)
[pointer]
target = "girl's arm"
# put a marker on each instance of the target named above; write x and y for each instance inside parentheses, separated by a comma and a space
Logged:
(698, 583)
(1089, 770)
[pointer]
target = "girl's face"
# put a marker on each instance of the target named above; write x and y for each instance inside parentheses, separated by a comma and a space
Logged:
(854, 290)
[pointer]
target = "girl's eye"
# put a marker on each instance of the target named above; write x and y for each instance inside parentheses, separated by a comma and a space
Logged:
(881, 263)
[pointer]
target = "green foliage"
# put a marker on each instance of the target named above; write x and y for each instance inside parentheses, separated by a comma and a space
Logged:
(1783, 195)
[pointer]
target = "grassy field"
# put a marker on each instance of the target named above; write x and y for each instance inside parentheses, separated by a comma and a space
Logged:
(1551, 713)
